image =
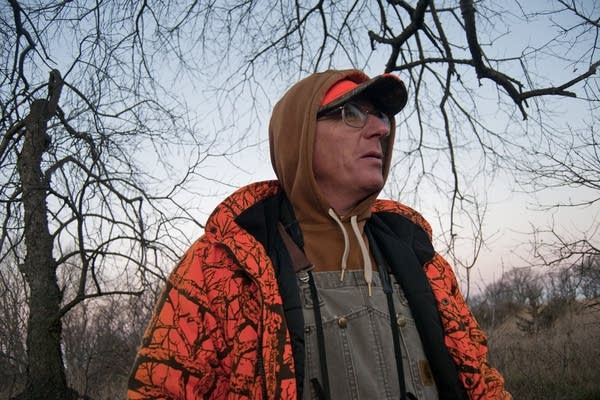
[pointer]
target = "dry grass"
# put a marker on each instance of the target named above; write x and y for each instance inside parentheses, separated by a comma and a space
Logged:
(558, 362)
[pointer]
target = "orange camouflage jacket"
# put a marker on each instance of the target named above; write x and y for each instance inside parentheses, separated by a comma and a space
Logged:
(219, 332)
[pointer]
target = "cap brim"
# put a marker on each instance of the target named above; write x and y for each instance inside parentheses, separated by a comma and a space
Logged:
(386, 92)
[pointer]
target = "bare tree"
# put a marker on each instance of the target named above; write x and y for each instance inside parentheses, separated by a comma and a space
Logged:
(13, 318)
(480, 83)
(515, 291)
(570, 162)
(100, 343)
(93, 117)
(93, 161)
(589, 273)
(566, 156)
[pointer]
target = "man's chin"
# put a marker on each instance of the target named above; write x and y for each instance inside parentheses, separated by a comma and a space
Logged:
(376, 185)
(373, 188)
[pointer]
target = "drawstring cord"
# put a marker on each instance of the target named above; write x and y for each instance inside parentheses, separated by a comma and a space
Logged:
(367, 264)
(334, 216)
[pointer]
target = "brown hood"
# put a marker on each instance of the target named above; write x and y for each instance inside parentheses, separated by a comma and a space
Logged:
(291, 137)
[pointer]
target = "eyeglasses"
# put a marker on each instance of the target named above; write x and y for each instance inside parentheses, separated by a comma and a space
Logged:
(356, 116)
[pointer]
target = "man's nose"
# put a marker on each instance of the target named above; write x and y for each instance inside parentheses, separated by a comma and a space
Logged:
(376, 126)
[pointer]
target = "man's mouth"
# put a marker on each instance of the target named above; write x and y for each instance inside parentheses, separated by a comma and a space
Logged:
(373, 154)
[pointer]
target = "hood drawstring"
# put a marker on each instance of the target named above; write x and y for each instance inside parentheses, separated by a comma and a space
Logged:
(367, 265)
(334, 216)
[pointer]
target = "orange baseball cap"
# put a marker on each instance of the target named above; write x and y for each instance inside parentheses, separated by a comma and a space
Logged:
(387, 93)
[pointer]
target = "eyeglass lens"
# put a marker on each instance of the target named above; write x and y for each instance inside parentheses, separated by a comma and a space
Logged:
(356, 117)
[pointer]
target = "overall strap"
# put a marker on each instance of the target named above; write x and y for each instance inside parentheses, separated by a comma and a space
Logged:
(301, 263)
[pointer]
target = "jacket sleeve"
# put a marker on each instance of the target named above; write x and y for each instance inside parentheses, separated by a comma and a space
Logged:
(464, 339)
(178, 358)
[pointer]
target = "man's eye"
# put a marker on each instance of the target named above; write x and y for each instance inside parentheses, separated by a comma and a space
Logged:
(353, 112)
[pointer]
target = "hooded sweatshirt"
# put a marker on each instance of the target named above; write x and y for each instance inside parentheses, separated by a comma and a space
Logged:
(292, 136)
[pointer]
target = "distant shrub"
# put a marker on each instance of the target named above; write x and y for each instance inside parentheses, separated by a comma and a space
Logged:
(561, 361)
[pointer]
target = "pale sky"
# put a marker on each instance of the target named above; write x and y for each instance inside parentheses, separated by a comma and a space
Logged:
(511, 216)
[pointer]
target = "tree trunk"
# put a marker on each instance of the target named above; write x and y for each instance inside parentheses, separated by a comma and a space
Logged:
(46, 373)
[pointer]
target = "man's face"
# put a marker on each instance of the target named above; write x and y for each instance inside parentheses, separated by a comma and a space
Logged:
(348, 161)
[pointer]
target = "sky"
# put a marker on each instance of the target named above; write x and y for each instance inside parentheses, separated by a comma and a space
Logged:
(512, 214)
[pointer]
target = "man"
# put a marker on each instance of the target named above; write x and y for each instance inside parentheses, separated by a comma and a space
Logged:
(307, 286)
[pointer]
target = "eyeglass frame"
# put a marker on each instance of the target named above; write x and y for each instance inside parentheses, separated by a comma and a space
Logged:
(385, 118)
